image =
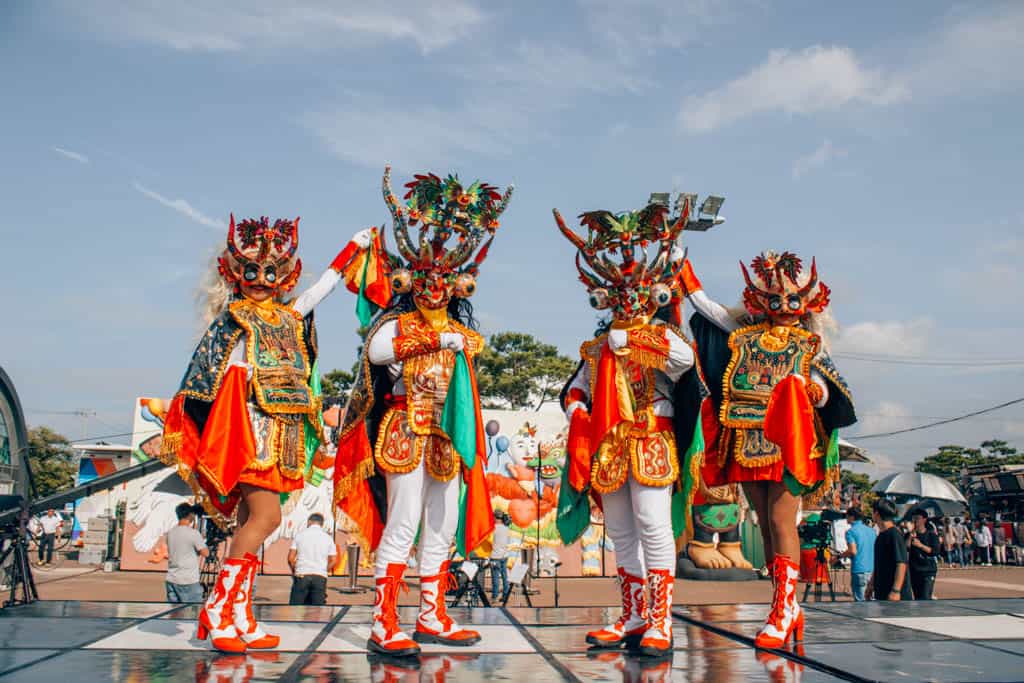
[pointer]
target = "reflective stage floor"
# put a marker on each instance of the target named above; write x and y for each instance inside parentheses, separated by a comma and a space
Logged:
(953, 640)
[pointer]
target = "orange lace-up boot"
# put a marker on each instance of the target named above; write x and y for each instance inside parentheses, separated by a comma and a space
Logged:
(386, 637)
(657, 640)
(433, 624)
(216, 618)
(249, 629)
(630, 627)
(786, 618)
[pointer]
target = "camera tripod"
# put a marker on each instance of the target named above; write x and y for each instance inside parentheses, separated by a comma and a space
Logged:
(19, 571)
(820, 561)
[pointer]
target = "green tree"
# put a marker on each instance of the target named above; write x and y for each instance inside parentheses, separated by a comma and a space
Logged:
(861, 483)
(52, 460)
(516, 371)
(950, 459)
(338, 382)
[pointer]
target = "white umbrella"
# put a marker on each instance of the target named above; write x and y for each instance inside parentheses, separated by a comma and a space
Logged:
(919, 484)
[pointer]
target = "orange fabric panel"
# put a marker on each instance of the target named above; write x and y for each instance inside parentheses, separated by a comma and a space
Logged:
(227, 445)
(578, 450)
(789, 423)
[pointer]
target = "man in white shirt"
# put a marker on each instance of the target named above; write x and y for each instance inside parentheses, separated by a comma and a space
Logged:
(184, 548)
(49, 525)
(499, 552)
(312, 552)
(983, 542)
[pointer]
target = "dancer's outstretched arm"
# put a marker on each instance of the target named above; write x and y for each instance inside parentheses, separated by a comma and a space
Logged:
(311, 298)
(708, 307)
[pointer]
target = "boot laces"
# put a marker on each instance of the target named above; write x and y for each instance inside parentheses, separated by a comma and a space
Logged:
(778, 611)
(659, 599)
(389, 606)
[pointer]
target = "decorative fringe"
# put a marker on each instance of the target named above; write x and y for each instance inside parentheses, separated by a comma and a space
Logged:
(345, 486)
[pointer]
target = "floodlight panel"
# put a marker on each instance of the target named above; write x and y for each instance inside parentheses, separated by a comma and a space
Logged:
(660, 198)
(711, 205)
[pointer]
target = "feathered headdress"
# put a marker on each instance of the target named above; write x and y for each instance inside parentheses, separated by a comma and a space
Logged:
(441, 210)
(778, 290)
(634, 283)
(254, 245)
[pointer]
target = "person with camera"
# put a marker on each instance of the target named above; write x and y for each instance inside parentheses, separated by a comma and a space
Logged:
(889, 581)
(184, 548)
(923, 544)
(860, 548)
(312, 554)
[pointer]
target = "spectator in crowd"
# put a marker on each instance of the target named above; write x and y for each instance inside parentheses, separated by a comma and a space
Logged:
(499, 553)
(949, 543)
(312, 553)
(982, 544)
(999, 543)
(860, 547)
(923, 545)
(963, 541)
(50, 528)
(184, 548)
(889, 579)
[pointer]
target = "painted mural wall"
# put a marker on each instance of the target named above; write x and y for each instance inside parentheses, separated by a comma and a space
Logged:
(525, 457)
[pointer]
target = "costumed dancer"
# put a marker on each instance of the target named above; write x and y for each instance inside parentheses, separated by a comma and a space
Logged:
(779, 401)
(633, 405)
(411, 448)
(245, 423)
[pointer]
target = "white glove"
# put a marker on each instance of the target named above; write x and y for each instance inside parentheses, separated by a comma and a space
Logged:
(617, 339)
(362, 238)
(571, 409)
(248, 369)
(453, 341)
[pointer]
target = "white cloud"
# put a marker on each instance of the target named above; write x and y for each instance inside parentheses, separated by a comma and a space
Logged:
(891, 338)
(978, 52)
(825, 153)
(409, 140)
(886, 416)
(74, 156)
(235, 25)
(642, 27)
(181, 206)
(813, 80)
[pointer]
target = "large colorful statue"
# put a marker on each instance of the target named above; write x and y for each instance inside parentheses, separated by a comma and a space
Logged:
(412, 446)
(779, 401)
(245, 424)
(634, 411)
(715, 544)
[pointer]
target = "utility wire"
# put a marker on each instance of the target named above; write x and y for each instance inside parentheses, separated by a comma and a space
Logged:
(933, 362)
(862, 437)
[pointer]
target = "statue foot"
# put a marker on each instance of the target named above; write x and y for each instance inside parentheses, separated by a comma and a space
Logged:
(707, 557)
(734, 553)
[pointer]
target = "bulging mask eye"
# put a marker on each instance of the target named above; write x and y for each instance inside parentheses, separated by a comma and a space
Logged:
(251, 272)
(599, 298)
(270, 274)
(661, 295)
(794, 303)
(465, 286)
(775, 303)
(401, 281)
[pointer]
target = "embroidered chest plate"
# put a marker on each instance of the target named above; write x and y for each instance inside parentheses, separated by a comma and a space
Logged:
(277, 351)
(762, 356)
(639, 377)
(427, 375)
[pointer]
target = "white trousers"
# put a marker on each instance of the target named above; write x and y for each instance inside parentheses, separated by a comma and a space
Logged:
(638, 519)
(414, 497)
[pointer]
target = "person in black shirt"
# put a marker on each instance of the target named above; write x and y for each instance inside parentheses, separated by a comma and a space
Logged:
(923, 544)
(889, 581)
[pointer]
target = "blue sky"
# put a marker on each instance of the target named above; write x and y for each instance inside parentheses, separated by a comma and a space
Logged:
(883, 138)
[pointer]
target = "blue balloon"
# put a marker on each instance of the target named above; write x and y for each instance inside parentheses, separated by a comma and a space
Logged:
(502, 443)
